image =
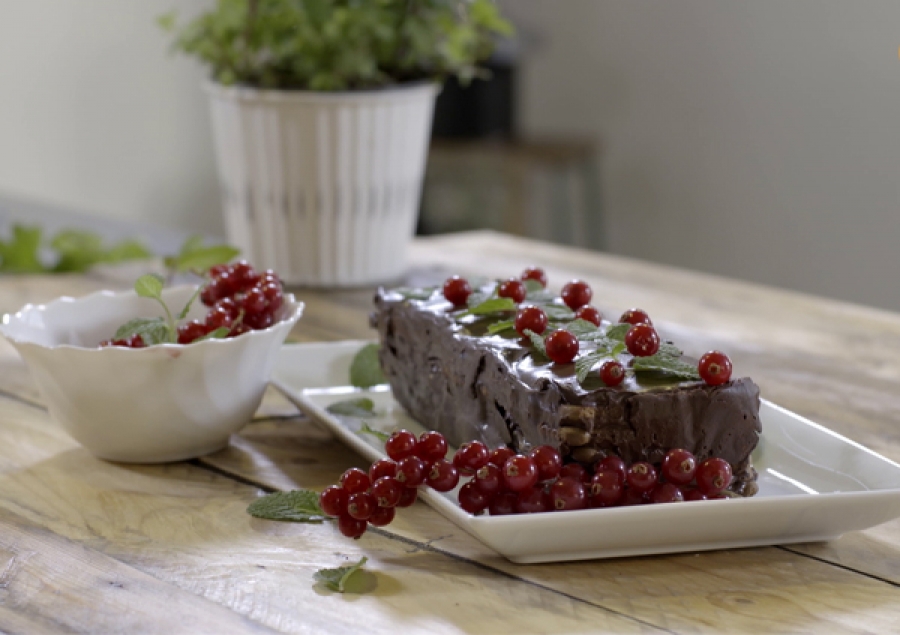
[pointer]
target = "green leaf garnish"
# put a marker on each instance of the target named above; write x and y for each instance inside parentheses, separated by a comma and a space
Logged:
(499, 327)
(193, 256)
(365, 369)
(558, 312)
(532, 286)
(579, 328)
(152, 330)
(336, 579)
(667, 360)
(187, 306)
(301, 505)
(218, 334)
(357, 407)
(618, 331)
(412, 293)
(537, 341)
(149, 286)
(489, 306)
(378, 434)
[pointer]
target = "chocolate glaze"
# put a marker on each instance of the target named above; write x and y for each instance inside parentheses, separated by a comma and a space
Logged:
(451, 378)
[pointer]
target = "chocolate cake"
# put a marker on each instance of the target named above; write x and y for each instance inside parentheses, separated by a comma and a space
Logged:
(451, 376)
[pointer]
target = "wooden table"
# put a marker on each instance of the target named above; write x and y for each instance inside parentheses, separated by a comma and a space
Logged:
(96, 547)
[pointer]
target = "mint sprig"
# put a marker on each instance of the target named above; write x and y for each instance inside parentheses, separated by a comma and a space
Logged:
(490, 306)
(618, 331)
(361, 407)
(336, 579)
(301, 505)
(365, 369)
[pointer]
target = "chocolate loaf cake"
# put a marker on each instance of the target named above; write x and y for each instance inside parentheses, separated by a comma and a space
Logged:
(451, 376)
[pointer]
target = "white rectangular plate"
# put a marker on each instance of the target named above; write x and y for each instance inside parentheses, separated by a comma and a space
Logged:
(814, 484)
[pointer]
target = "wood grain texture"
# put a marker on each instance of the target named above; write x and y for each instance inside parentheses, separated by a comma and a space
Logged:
(184, 525)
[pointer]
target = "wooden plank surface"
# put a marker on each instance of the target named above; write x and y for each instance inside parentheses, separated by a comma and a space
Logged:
(179, 533)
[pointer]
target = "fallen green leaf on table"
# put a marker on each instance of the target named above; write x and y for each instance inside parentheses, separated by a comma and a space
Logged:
(336, 579)
(365, 369)
(196, 257)
(300, 505)
(378, 434)
(362, 407)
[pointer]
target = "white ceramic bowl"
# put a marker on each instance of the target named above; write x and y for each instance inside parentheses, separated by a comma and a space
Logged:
(150, 405)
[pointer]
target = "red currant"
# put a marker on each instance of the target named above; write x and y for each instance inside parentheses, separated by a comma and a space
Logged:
(218, 318)
(408, 497)
(382, 516)
(715, 368)
(642, 340)
(500, 455)
(382, 467)
(217, 270)
(548, 462)
(614, 463)
(612, 373)
(607, 488)
(634, 497)
(503, 504)
(573, 470)
(694, 495)
(531, 318)
(641, 476)
(567, 494)
(400, 444)
(387, 491)
(666, 493)
(535, 273)
(533, 500)
(678, 466)
(254, 301)
(590, 314)
(351, 527)
(519, 473)
(635, 316)
(431, 446)
(472, 499)
(411, 471)
(713, 476)
(562, 346)
(361, 505)
(190, 331)
(489, 479)
(576, 294)
(442, 476)
(355, 481)
(457, 290)
(333, 500)
(512, 289)
(470, 457)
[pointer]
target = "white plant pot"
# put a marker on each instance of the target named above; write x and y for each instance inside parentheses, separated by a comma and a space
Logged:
(322, 187)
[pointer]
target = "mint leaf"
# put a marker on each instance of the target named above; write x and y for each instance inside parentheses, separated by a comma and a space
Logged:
(359, 407)
(491, 305)
(579, 328)
(410, 293)
(336, 579)
(618, 331)
(667, 360)
(20, 253)
(378, 434)
(365, 369)
(193, 256)
(187, 307)
(218, 334)
(301, 505)
(149, 286)
(152, 330)
(584, 364)
(537, 341)
(532, 286)
(499, 327)
(558, 312)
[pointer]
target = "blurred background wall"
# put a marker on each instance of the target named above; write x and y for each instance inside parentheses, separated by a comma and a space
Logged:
(755, 139)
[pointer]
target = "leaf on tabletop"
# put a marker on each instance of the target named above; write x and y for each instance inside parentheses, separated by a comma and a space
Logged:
(336, 579)
(20, 254)
(362, 407)
(193, 256)
(301, 505)
(365, 369)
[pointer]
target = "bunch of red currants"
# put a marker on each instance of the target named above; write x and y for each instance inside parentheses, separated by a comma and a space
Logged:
(502, 482)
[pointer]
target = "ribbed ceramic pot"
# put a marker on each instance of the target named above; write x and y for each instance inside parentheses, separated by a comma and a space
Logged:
(322, 187)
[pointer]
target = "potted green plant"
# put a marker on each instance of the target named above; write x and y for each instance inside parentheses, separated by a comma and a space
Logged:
(321, 112)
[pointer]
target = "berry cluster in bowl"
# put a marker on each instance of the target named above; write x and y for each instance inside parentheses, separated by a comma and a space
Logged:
(502, 482)
(532, 320)
(239, 299)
